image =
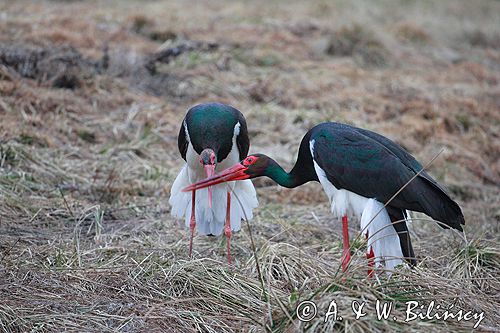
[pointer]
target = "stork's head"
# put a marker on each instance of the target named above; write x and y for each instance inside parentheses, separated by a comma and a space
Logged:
(255, 165)
(208, 160)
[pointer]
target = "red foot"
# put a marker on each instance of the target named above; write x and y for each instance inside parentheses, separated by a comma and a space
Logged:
(370, 256)
(192, 222)
(346, 256)
(227, 232)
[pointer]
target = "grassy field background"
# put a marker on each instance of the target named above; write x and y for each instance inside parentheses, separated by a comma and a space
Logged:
(92, 94)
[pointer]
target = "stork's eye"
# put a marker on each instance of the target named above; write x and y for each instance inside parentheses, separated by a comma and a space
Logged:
(249, 161)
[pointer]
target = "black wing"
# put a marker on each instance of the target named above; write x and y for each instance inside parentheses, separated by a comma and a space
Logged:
(242, 140)
(360, 164)
(182, 141)
(405, 157)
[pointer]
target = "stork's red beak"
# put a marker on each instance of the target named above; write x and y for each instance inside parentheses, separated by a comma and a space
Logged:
(236, 172)
(209, 170)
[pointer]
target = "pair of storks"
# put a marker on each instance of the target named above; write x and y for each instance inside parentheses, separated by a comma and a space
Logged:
(363, 174)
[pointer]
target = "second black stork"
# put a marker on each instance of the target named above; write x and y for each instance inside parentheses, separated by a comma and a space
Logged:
(360, 171)
(212, 136)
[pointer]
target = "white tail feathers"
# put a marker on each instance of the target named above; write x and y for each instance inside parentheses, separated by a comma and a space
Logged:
(180, 200)
(211, 220)
(382, 237)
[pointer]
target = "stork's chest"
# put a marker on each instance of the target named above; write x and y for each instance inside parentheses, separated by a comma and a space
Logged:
(196, 171)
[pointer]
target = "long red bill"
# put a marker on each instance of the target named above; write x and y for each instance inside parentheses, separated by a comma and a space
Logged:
(209, 170)
(236, 172)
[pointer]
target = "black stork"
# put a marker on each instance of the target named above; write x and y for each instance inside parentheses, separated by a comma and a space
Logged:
(212, 136)
(360, 171)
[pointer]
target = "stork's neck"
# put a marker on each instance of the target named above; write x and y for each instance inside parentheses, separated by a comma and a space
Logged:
(299, 175)
(302, 172)
(280, 176)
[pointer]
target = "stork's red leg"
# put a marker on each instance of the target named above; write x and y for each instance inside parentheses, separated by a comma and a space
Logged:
(192, 223)
(370, 256)
(346, 256)
(227, 227)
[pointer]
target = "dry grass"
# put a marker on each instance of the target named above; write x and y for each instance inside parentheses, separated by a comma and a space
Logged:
(91, 97)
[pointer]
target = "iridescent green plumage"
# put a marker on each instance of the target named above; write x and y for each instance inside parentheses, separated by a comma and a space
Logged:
(212, 125)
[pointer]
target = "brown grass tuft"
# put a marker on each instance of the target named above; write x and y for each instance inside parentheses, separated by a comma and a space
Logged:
(410, 33)
(358, 42)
